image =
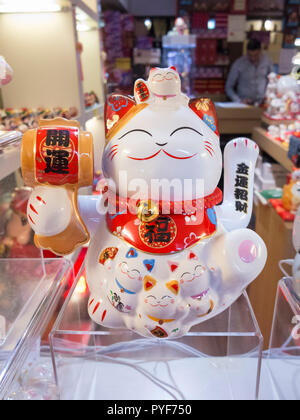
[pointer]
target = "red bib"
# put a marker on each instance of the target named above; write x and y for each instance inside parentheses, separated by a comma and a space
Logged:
(167, 233)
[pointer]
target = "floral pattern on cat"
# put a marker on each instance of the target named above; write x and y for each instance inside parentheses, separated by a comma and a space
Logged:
(117, 103)
(210, 122)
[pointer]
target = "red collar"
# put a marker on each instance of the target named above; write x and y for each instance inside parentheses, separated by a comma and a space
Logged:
(165, 233)
(174, 207)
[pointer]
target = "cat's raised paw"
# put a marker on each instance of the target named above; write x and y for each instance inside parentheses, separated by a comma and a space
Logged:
(242, 148)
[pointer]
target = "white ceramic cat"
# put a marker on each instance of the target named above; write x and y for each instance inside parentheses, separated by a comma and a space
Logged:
(157, 271)
(163, 85)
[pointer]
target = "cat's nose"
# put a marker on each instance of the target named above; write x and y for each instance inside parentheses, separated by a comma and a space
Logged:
(162, 144)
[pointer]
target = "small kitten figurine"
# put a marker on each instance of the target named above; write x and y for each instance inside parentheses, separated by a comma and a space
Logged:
(162, 85)
(161, 307)
(123, 291)
(195, 282)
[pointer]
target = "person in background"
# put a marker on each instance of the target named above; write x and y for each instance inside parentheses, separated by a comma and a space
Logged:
(247, 80)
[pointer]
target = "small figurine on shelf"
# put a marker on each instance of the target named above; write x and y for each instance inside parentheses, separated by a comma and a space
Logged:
(282, 98)
(25, 119)
(164, 253)
(6, 72)
(272, 85)
(17, 235)
(91, 99)
(296, 68)
(181, 27)
(291, 193)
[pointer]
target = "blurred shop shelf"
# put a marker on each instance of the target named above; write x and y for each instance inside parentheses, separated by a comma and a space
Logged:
(273, 147)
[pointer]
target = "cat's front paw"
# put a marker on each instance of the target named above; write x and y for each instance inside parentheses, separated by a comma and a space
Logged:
(49, 211)
(103, 313)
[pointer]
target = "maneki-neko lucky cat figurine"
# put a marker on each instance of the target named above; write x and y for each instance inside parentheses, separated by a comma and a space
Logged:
(166, 250)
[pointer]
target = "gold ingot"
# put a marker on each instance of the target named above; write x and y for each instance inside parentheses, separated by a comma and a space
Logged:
(147, 211)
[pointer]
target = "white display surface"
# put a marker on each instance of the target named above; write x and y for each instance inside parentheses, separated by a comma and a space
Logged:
(95, 383)
(280, 379)
(219, 359)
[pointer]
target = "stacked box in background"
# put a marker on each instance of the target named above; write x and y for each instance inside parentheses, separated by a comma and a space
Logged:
(118, 45)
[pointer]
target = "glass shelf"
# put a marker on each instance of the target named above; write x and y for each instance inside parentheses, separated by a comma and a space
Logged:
(282, 364)
(218, 359)
(29, 293)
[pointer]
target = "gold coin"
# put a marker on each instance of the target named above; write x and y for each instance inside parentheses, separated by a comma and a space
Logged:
(147, 211)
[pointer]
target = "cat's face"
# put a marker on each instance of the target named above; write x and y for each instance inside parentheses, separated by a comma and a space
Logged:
(127, 282)
(193, 278)
(161, 143)
(130, 275)
(160, 299)
(164, 82)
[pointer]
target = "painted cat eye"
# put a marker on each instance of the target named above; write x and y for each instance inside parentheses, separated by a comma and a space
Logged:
(171, 76)
(186, 128)
(135, 131)
(199, 270)
(157, 77)
(187, 277)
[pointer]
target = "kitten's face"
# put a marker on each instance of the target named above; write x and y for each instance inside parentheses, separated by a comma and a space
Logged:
(130, 275)
(164, 144)
(193, 278)
(124, 286)
(164, 82)
(160, 301)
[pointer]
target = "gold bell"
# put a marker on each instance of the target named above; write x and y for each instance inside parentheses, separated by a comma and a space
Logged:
(147, 211)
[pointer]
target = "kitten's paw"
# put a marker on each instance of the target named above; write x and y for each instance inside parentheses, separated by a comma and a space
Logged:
(103, 313)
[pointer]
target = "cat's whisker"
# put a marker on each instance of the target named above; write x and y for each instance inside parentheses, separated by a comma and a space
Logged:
(209, 151)
(210, 148)
(114, 155)
(112, 150)
(208, 142)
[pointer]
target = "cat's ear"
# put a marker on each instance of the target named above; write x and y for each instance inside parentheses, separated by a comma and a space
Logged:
(206, 110)
(173, 265)
(116, 107)
(192, 256)
(173, 286)
(141, 91)
(119, 109)
(149, 283)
